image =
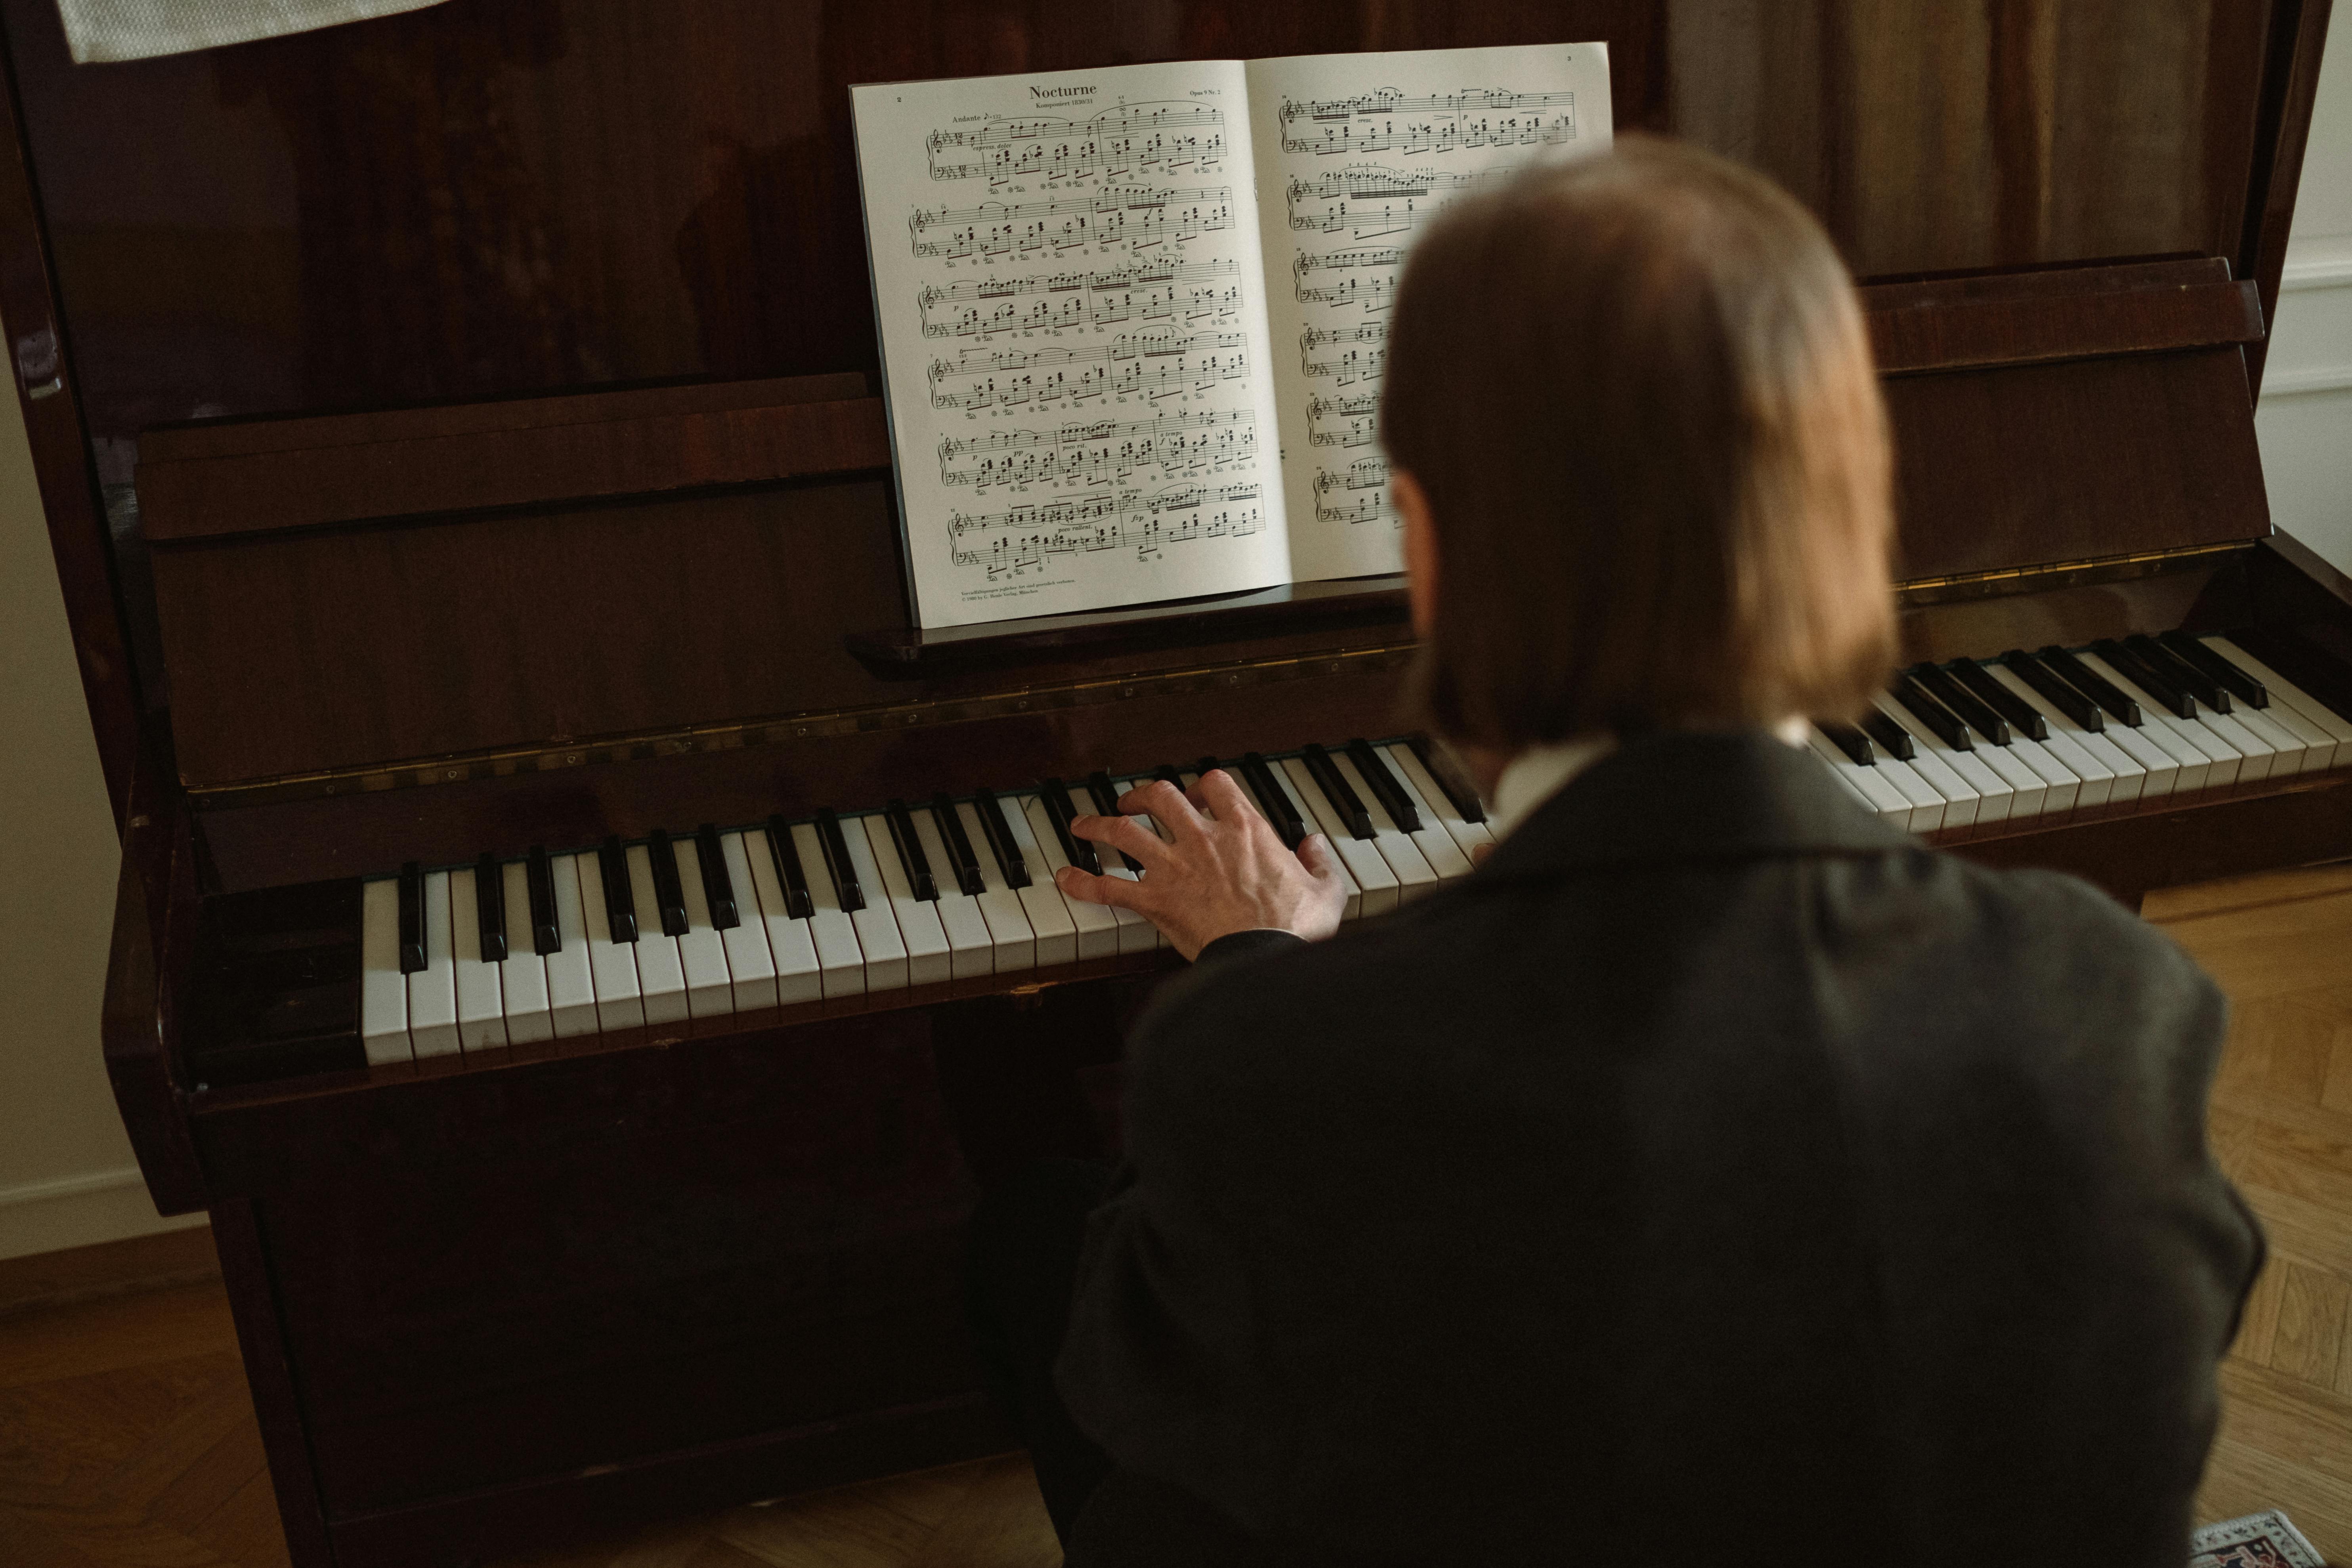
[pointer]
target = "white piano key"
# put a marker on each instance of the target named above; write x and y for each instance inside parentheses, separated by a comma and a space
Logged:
(383, 989)
(2256, 754)
(433, 992)
(1853, 792)
(2316, 715)
(971, 948)
(1960, 797)
(750, 963)
(841, 959)
(929, 959)
(1363, 860)
(1356, 907)
(2062, 786)
(1414, 873)
(1097, 926)
(612, 966)
(571, 970)
(1436, 804)
(1881, 798)
(2205, 762)
(522, 978)
(1994, 798)
(2063, 762)
(1160, 938)
(1011, 912)
(796, 975)
(1136, 934)
(709, 984)
(889, 965)
(661, 978)
(2029, 792)
(481, 1010)
(2124, 779)
(1927, 803)
(2290, 752)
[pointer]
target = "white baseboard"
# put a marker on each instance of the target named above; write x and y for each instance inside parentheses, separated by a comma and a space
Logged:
(80, 1211)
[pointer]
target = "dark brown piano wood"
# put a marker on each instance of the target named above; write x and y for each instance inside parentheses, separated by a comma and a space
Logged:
(487, 386)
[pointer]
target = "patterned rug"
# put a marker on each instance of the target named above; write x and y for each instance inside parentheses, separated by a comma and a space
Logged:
(2257, 1540)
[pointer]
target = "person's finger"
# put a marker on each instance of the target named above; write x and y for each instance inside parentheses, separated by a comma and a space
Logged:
(1223, 793)
(1478, 852)
(1315, 854)
(1167, 804)
(1125, 834)
(1116, 891)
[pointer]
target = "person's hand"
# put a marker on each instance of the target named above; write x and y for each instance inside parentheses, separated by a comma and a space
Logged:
(1221, 869)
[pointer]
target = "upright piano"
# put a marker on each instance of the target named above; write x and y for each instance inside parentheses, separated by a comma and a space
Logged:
(459, 441)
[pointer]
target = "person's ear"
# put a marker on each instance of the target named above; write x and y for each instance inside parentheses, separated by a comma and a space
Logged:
(1420, 549)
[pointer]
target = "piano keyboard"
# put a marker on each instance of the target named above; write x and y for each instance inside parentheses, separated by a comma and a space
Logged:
(1968, 745)
(675, 927)
(615, 936)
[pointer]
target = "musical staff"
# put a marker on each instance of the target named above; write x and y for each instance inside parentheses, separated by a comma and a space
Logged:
(1151, 365)
(1106, 451)
(1389, 120)
(1364, 484)
(1367, 351)
(1164, 139)
(1025, 538)
(1134, 217)
(1369, 201)
(1343, 421)
(1184, 293)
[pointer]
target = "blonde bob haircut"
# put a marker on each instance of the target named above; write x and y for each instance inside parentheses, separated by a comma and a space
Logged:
(1636, 390)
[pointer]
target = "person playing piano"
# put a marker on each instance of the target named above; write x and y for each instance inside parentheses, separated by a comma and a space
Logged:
(1715, 1175)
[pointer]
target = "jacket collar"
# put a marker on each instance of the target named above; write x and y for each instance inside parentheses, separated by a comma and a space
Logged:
(1683, 795)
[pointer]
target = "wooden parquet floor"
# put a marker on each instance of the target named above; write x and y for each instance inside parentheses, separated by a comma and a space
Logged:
(127, 1439)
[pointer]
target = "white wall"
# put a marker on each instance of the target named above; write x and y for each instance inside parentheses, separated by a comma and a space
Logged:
(2305, 418)
(66, 1177)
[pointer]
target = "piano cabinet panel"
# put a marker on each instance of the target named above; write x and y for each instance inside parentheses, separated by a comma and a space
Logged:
(495, 1279)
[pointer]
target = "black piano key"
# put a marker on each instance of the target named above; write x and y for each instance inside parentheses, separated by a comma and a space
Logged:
(2241, 684)
(669, 892)
(2056, 692)
(620, 903)
(1917, 702)
(1105, 795)
(2022, 716)
(1962, 702)
(1337, 791)
(1273, 799)
(1384, 784)
(2111, 699)
(911, 858)
(1458, 792)
(2184, 676)
(490, 907)
(1001, 842)
(1849, 740)
(538, 876)
(1077, 851)
(1893, 737)
(717, 886)
(2133, 668)
(1168, 770)
(958, 843)
(412, 919)
(837, 863)
(786, 853)
(1206, 766)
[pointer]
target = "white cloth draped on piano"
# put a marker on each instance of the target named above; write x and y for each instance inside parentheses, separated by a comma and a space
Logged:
(141, 29)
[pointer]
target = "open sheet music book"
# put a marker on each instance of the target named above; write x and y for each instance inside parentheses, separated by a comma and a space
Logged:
(1133, 319)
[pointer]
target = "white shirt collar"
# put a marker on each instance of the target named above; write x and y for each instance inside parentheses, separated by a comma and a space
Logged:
(1539, 773)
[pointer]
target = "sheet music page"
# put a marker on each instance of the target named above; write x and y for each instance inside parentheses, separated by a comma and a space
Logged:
(1357, 153)
(1071, 295)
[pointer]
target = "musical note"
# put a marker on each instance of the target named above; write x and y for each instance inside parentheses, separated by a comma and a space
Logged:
(1151, 365)
(1361, 415)
(1183, 292)
(1104, 451)
(1025, 537)
(1366, 479)
(1159, 137)
(1135, 216)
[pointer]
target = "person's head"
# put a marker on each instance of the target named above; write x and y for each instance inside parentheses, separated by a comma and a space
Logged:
(1641, 456)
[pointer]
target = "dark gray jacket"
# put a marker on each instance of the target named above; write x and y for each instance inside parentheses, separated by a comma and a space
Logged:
(1716, 1175)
